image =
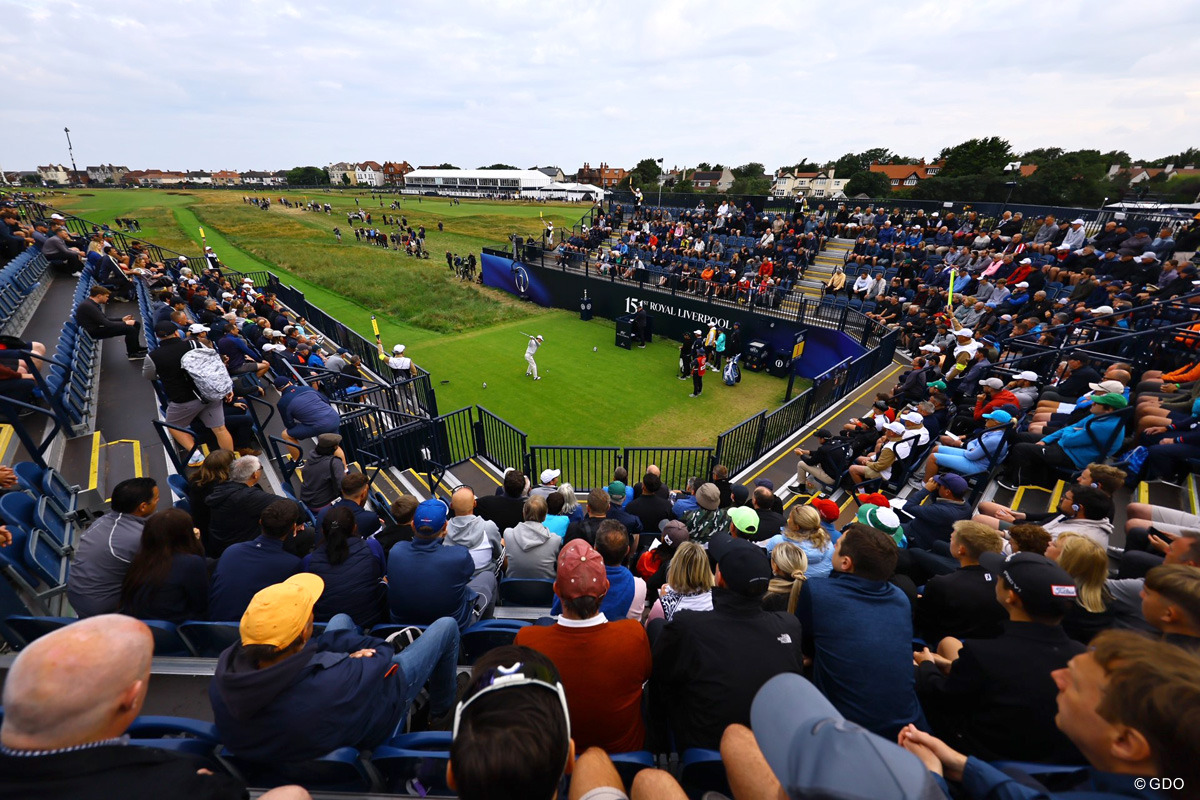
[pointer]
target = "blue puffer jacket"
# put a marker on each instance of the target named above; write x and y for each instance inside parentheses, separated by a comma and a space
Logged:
(1082, 440)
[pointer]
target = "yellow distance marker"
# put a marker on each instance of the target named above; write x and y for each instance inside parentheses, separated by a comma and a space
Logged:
(375, 326)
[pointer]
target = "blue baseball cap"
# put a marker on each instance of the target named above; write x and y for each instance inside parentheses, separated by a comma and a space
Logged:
(430, 517)
(1003, 417)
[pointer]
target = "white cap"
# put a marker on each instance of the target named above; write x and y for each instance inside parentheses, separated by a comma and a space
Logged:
(992, 383)
(196, 327)
(895, 427)
(1078, 222)
(550, 474)
(539, 338)
(913, 417)
(964, 332)
(227, 295)
(398, 349)
(1006, 317)
(183, 258)
(57, 216)
(248, 280)
(1027, 375)
(1100, 311)
(930, 348)
(1149, 254)
(1023, 285)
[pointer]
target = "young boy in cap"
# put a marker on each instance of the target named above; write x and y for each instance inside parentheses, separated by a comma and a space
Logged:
(281, 694)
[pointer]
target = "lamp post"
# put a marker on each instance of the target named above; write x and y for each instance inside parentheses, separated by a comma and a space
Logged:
(659, 161)
(71, 151)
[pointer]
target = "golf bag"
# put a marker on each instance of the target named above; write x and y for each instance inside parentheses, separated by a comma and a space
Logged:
(733, 371)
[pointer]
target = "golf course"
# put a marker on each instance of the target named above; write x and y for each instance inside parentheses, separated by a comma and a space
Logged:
(465, 335)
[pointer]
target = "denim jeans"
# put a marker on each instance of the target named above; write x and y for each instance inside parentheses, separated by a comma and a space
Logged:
(432, 658)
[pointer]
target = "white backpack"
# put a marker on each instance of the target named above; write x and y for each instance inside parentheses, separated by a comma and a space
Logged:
(207, 371)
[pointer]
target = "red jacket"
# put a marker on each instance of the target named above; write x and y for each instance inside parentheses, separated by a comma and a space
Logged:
(1001, 398)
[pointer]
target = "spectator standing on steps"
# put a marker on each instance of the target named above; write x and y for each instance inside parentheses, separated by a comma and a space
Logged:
(183, 402)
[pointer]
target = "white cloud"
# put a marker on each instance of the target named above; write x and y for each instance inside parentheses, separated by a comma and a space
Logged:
(273, 85)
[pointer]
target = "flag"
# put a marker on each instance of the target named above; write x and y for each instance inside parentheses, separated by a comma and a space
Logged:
(202, 234)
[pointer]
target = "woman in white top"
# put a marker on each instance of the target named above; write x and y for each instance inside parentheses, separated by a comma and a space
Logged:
(689, 584)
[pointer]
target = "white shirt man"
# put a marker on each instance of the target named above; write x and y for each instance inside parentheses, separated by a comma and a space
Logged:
(534, 343)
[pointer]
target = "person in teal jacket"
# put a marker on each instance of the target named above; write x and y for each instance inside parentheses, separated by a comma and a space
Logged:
(1091, 439)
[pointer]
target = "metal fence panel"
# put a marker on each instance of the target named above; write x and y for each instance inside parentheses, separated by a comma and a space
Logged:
(787, 419)
(739, 446)
(500, 442)
(675, 464)
(582, 467)
(454, 437)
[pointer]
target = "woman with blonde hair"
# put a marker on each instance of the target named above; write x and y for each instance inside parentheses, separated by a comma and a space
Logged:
(1086, 562)
(789, 564)
(803, 529)
(689, 584)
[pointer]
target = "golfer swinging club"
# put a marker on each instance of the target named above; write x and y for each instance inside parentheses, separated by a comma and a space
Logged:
(534, 343)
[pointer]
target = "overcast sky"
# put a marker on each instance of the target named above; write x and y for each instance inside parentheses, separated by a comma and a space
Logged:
(245, 84)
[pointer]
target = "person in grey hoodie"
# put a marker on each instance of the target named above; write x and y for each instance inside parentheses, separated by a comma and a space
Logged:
(473, 532)
(531, 547)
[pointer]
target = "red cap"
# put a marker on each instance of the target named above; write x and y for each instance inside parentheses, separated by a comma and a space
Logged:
(581, 572)
(874, 498)
(828, 509)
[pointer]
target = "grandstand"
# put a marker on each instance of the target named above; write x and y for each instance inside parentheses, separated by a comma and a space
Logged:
(80, 420)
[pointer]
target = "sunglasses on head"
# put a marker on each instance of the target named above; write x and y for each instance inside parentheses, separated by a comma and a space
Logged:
(518, 674)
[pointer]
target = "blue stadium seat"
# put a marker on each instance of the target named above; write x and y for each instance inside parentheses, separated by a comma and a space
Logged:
(339, 771)
(167, 641)
(29, 474)
(486, 635)
(527, 592)
(25, 628)
(20, 512)
(419, 757)
(152, 726)
(208, 639)
(702, 771)
(630, 764)
(46, 560)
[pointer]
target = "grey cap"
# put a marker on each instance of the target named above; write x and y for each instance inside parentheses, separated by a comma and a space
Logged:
(815, 752)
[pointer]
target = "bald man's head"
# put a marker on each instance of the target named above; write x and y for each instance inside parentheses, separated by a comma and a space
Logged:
(82, 683)
(462, 502)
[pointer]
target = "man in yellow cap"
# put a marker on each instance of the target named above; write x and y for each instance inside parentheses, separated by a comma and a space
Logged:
(283, 694)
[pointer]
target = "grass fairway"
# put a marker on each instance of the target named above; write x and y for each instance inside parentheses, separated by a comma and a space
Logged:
(464, 335)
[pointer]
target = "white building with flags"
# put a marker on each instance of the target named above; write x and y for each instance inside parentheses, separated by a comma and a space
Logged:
(475, 182)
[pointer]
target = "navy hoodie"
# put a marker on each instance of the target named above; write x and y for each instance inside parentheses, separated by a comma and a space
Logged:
(311, 703)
